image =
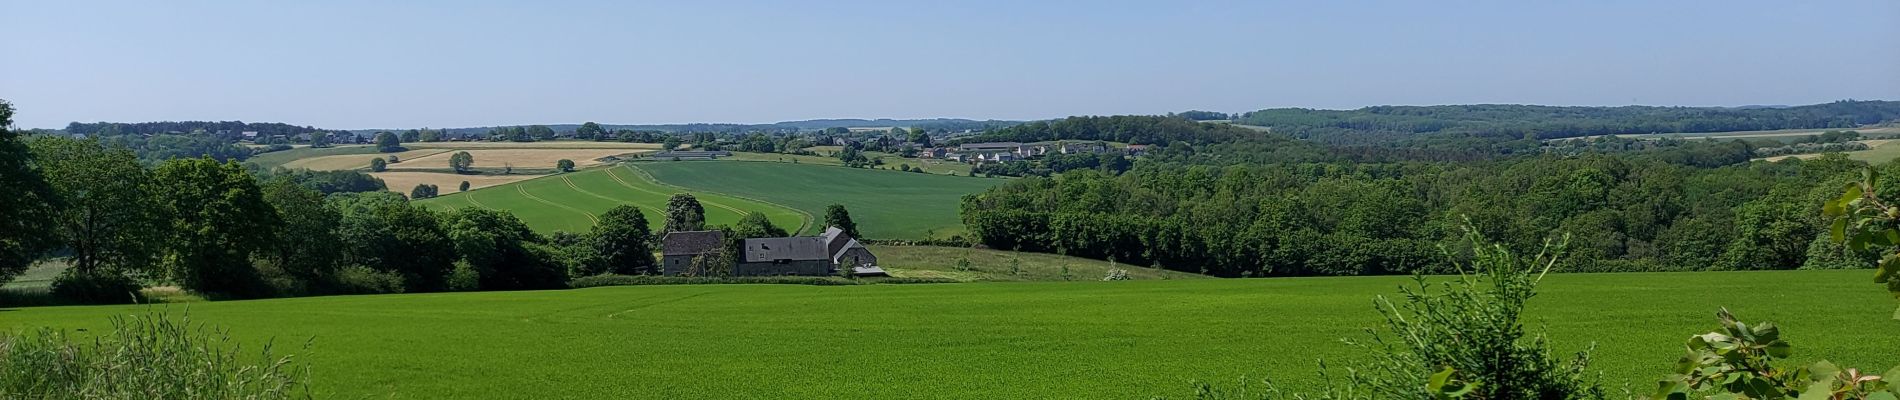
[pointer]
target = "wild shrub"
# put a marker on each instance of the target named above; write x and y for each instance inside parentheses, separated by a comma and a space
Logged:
(357, 279)
(1737, 362)
(1117, 274)
(464, 277)
(1463, 340)
(150, 356)
(96, 286)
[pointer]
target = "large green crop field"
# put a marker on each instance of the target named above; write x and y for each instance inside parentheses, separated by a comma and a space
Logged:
(1131, 339)
(571, 202)
(885, 204)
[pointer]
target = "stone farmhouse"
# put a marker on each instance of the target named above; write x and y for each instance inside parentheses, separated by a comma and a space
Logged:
(783, 256)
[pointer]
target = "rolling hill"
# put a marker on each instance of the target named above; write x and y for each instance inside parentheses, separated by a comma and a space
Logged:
(886, 204)
(572, 202)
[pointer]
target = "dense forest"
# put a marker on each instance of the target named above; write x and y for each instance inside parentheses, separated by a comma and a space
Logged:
(1235, 201)
(1384, 124)
(1622, 214)
(264, 129)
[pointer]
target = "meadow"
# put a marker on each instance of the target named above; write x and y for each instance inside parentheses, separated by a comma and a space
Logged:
(572, 201)
(1132, 339)
(885, 204)
(998, 265)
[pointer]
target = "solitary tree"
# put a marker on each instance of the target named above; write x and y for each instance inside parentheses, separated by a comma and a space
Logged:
(423, 191)
(378, 165)
(464, 187)
(754, 225)
(461, 161)
(589, 131)
(622, 238)
(218, 219)
(26, 202)
(565, 165)
(683, 213)
(105, 218)
(388, 142)
(836, 216)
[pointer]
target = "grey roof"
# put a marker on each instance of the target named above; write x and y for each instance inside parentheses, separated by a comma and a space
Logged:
(691, 243)
(802, 248)
(838, 255)
(832, 244)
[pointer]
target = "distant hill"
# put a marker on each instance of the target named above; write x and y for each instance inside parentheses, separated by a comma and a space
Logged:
(945, 124)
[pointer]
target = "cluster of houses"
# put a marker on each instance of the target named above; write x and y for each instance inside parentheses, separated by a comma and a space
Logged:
(822, 255)
(1012, 151)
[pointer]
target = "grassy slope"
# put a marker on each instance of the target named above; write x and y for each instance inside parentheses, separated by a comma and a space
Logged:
(994, 265)
(885, 204)
(975, 340)
(570, 202)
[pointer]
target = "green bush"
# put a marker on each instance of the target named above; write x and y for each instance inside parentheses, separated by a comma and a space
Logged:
(144, 357)
(96, 287)
(1464, 340)
(357, 279)
(1737, 362)
(464, 277)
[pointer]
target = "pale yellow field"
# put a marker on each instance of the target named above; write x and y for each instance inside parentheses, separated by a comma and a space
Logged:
(575, 144)
(519, 158)
(403, 182)
(1863, 155)
(354, 161)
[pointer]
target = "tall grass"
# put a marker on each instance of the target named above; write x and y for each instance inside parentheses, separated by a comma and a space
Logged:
(149, 356)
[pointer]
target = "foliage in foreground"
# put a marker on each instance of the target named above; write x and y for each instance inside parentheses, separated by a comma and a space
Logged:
(1465, 340)
(149, 356)
(1736, 363)
(1860, 219)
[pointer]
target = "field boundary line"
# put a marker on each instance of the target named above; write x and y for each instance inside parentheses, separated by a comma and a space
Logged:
(807, 224)
(734, 210)
(524, 192)
(570, 183)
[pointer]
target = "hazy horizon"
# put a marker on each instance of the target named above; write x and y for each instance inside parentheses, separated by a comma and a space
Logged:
(368, 65)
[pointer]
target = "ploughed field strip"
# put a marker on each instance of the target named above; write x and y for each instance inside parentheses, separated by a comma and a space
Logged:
(572, 202)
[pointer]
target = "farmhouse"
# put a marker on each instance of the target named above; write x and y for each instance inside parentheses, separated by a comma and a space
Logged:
(678, 249)
(797, 255)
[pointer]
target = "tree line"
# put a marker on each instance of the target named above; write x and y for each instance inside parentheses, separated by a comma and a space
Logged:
(1624, 213)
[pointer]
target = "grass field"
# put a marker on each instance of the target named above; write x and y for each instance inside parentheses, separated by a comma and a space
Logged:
(994, 265)
(571, 202)
(404, 181)
(973, 340)
(493, 159)
(885, 204)
(360, 161)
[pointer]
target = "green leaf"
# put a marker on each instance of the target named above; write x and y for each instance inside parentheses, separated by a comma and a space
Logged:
(1869, 175)
(1839, 231)
(1887, 267)
(1780, 349)
(1882, 396)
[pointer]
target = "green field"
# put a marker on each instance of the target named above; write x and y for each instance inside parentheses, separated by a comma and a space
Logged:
(994, 265)
(885, 204)
(972, 340)
(571, 202)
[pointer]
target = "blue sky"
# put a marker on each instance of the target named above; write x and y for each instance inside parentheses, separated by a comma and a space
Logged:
(379, 64)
